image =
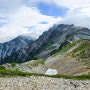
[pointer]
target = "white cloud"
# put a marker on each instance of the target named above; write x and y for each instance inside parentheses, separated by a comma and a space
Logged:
(78, 11)
(10, 5)
(77, 20)
(70, 3)
(26, 20)
(22, 16)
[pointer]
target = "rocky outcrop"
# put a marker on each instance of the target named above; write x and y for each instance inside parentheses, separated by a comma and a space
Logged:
(8, 48)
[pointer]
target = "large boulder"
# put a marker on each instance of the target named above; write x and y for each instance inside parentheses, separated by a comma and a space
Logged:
(51, 72)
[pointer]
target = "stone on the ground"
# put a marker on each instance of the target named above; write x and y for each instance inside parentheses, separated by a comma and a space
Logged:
(42, 83)
(51, 72)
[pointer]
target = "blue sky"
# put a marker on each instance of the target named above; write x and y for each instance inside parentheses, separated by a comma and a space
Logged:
(52, 10)
(33, 17)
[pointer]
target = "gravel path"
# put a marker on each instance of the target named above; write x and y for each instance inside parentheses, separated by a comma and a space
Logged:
(42, 83)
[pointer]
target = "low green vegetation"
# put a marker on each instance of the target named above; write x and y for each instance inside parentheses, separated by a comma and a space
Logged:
(82, 53)
(13, 64)
(80, 77)
(2, 68)
(84, 50)
(38, 62)
(69, 46)
(50, 47)
(20, 73)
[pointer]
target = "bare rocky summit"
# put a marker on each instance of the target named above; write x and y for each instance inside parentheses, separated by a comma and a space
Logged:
(58, 36)
(42, 83)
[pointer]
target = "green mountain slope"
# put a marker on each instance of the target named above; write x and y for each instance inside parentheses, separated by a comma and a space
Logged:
(71, 59)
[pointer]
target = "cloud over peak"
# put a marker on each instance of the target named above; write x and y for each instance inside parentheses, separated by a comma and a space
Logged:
(23, 16)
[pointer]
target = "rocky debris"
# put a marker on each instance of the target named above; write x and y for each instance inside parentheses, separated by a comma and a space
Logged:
(42, 83)
(51, 72)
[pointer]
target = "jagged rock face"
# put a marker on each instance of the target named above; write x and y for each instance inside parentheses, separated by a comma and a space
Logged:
(7, 48)
(55, 38)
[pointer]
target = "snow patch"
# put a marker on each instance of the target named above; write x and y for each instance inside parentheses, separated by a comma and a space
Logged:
(51, 71)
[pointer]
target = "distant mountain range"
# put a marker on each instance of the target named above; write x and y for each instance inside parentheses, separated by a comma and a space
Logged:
(7, 48)
(58, 36)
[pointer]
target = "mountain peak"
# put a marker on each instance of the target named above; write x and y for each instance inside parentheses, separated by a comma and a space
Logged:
(58, 36)
(26, 37)
(7, 48)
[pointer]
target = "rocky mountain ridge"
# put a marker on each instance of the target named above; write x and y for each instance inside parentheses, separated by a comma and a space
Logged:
(7, 48)
(58, 36)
